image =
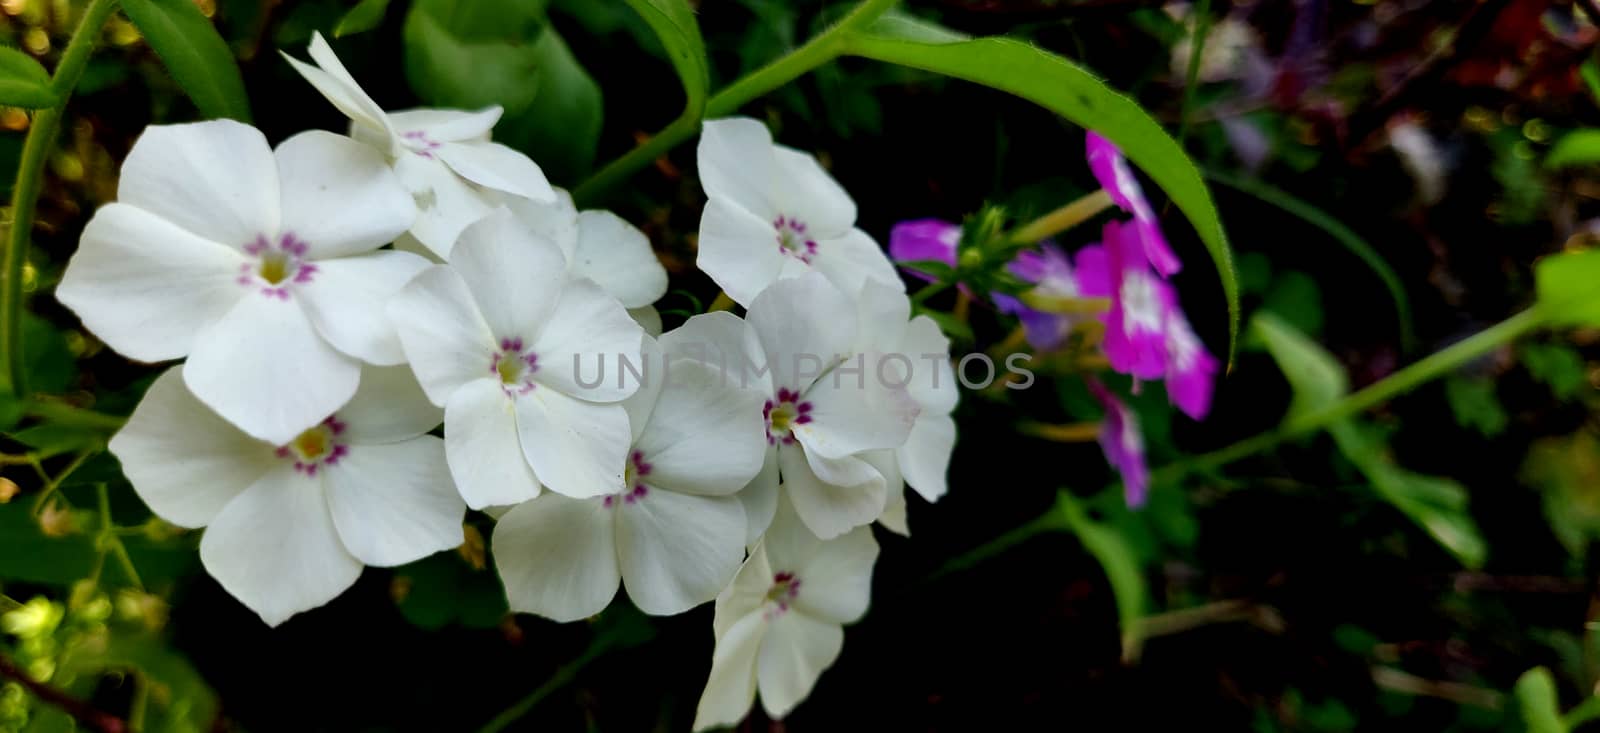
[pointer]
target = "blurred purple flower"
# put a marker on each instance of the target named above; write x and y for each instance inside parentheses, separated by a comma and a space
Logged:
(1112, 171)
(1191, 370)
(1136, 326)
(922, 240)
(1050, 271)
(1123, 444)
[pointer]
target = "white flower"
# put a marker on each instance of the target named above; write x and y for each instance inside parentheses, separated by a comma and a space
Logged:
(257, 264)
(288, 527)
(674, 535)
(778, 626)
(818, 427)
(774, 213)
(443, 156)
(913, 352)
(496, 338)
(602, 247)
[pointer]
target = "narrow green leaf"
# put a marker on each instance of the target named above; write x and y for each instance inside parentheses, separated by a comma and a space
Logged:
(1568, 285)
(1068, 90)
(365, 16)
(1536, 698)
(1590, 72)
(194, 53)
(23, 81)
(1115, 555)
(1576, 148)
(1340, 233)
(1315, 377)
(673, 22)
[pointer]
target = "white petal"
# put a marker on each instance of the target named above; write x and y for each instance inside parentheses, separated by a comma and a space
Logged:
(760, 498)
(444, 337)
(747, 592)
(705, 436)
(347, 299)
(184, 460)
(394, 503)
(739, 250)
(216, 179)
(803, 325)
(836, 579)
(340, 196)
(265, 368)
(882, 312)
(448, 125)
(146, 287)
(894, 516)
(514, 275)
(855, 412)
(619, 259)
(794, 654)
(731, 688)
(723, 342)
(677, 551)
(576, 448)
(584, 340)
(852, 259)
(844, 471)
(642, 403)
(389, 406)
(829, 510)
(482, 444)
(735, 159)
(805, 191)
(496, 166)
(925, 457)
(555, 220)
(933, 381)
(336, 83)
(446, 204)
(558, 557)
(648, 319)
(274, 547)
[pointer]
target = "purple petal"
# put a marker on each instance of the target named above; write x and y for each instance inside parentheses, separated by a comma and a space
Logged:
(1111, 170)
(1044, 331)
(1136, 339)
(1191, 370)
(1123, 445)
(924, 240)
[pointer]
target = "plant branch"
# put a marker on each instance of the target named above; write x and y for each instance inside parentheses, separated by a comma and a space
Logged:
(80, 711)
(25, 194)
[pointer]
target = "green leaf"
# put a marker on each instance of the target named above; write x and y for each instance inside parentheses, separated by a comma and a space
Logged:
(23, 81)
(28, 555)
(673, 22)
(1339, 232)
(1078, 95)
(1576, 148)
(1566, 469)
(442, 589)
(1536, 698)
(447, 71)
(1566, 284)
(1475, 405)
(1558, 366)
(1296, 298)
(1316, 378)
(1116, 557)
(561, 128)
(365, 16)
(194, 53)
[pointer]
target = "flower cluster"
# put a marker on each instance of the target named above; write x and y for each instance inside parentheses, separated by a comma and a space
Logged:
(1145, 333)
(338, 298)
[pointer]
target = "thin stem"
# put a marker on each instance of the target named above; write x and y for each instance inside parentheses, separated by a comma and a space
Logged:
(562, 677)
(1064, 218)
(61, 413)
(928, 291)
(55, 483)
(1197, 48)
(1050, 521)
(112, 542)
(1064, 304)
(824, 47)
(1083, 432)
(25, 194)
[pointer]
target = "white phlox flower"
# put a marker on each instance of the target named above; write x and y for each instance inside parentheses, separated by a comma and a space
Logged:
(496, 338)
(444, 157)
(259, 265)
(673, 535)
(289, 526)
(773, 213)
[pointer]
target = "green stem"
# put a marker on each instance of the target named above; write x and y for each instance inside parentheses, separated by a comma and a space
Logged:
(25, 194)
(1050, 521)
(824, 47)
(62, 413)
(1197, 48)
(562, 677)
(113, 543)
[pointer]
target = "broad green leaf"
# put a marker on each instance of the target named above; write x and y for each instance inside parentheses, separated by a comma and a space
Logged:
(1536, 698)
(28, 555)
(1296, 298)
(1316, 378)
(561, 128)
(442, 589)
(1475, 405)
(23, 81)
(1557, 366)
(1115, 555)
(1590, 72)
(1339, 232)
(1566, 469)
(446, 71)
(673, 22)
(1576, 148)
(904, 26)
(1438, 505)
(1568, 285)
(365, 16)
(1069, 90)
(194, 53)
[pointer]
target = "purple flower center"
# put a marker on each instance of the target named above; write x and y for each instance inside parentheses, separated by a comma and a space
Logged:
(632, 477)
(316, 447)
(793, 239)
(782, 414)
(274, 266)
(785, 588)
(419, 143)
(514, 366)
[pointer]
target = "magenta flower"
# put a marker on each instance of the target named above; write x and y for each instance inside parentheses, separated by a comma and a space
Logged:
(1191, 370)
(1111, 169)
(922, 240)
(1123, 445)
(1136, 326)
